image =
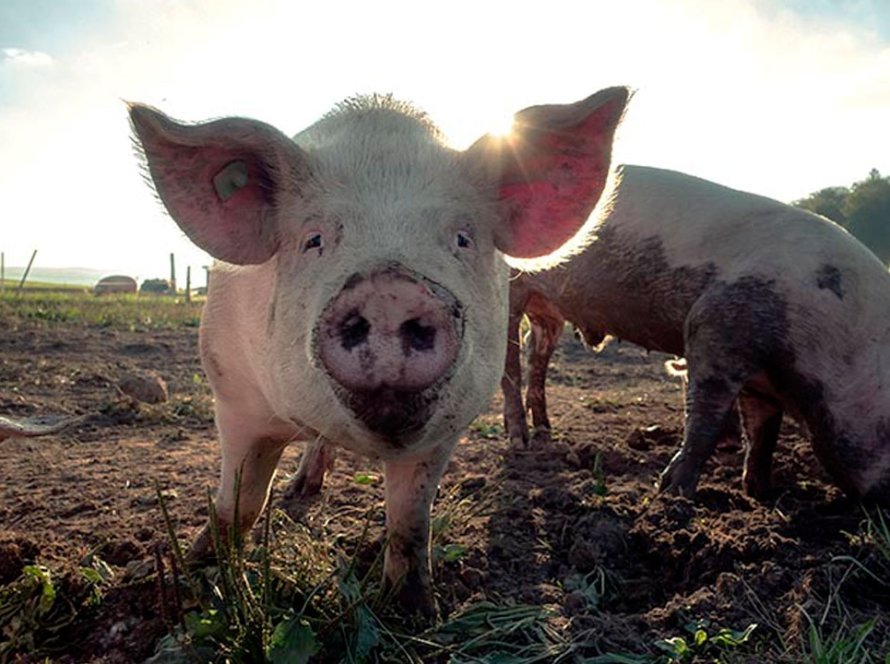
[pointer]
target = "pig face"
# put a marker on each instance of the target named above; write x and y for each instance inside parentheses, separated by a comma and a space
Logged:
(387, 305)
(387, 285)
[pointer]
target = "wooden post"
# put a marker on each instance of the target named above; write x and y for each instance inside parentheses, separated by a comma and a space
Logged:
(207, 278)
(188, 283)
(27, 270)
(2, 271)
(172, 273)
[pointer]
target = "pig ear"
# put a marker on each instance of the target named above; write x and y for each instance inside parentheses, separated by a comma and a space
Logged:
(550, 171)
(219, 180)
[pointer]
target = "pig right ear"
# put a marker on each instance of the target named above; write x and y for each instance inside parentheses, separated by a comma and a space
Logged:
(220, 180)
(550, 171)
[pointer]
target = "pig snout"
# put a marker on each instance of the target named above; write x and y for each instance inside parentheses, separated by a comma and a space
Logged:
(385, 339)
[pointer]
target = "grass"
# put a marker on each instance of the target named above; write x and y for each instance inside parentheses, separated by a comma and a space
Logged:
(13, 284)
(295, 599)
(121, 312)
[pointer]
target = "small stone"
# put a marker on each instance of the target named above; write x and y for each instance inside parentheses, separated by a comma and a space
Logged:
(144, 387)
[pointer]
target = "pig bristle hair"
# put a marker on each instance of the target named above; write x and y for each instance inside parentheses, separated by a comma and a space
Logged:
(371, 103)
(144, 171)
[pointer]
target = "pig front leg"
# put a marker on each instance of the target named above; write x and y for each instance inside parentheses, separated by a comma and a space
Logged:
(251, 448)
(409, 488)
(761, 419)
(511, 383)
(545, 333)
(316, 461)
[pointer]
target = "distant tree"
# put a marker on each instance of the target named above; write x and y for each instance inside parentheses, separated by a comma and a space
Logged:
(864, 209)
(867, 209)
(828, 202)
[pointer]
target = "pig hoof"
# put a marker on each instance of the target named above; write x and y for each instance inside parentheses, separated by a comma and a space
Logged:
(756, 487)
(418, 605)
(415, 601)
(678, 481)
(519, 441)
(303, 487)
(299, 495)
(201, 551)
(541, 434)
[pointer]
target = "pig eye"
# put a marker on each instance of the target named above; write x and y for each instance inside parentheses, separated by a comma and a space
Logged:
(463, 240)
(313, 240)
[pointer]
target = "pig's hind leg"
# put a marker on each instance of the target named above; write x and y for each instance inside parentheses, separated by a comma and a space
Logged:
(729, 334)
(511, 382)
(546, 328)
(316, 461)
(761, 419)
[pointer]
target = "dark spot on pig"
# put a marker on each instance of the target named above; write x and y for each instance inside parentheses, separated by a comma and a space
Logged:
(745, 325)
(626, 280)
(828, 276)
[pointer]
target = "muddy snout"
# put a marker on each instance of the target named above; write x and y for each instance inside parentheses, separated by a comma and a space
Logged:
(385, 339)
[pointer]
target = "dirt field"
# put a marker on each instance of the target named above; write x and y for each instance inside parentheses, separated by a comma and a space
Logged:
(572, 524)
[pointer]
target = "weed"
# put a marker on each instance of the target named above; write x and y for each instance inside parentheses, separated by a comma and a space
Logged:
(592, 587)
(36, 610)
(839, 646)
(700, 642)
(485, 428)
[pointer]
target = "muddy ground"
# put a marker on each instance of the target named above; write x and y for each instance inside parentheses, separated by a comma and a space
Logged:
(572, 523)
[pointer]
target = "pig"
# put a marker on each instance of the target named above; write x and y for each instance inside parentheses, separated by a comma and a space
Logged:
(773, 308)
(359, 294)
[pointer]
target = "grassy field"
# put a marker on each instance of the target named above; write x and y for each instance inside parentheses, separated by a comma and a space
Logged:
(53, 303)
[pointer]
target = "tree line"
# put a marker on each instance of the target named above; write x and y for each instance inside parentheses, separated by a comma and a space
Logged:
(863, 209)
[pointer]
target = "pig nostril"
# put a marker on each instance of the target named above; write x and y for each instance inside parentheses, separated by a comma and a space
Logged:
(417, 336)
(354, 331)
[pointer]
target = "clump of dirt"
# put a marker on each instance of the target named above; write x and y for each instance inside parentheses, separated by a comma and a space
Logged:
(572, 523)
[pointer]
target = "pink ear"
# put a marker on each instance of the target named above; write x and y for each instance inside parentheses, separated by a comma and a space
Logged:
(551, 170)
(219, 180)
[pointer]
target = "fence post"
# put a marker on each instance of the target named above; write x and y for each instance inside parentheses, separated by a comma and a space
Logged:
(27, 270)
(188, 283)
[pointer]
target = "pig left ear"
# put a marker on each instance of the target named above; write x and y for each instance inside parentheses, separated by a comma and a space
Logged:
(550, 171)
(220, 180)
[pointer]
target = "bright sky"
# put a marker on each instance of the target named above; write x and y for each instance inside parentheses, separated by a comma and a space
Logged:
(779, 97)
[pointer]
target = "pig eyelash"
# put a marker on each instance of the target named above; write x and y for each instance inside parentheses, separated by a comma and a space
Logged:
(313, 240)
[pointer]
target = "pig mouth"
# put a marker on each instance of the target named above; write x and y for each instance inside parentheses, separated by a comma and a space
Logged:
(392, 413)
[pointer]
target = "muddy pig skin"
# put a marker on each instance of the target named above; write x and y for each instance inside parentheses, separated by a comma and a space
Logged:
(773, 308)
(359, 296)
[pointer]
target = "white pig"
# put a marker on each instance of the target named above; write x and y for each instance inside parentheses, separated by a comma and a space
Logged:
(773, 307)
(360, 293)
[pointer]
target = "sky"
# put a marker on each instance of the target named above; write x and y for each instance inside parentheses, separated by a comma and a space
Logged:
(778, 97)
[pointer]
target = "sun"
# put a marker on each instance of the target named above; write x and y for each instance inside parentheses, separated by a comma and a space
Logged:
(502, 127)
